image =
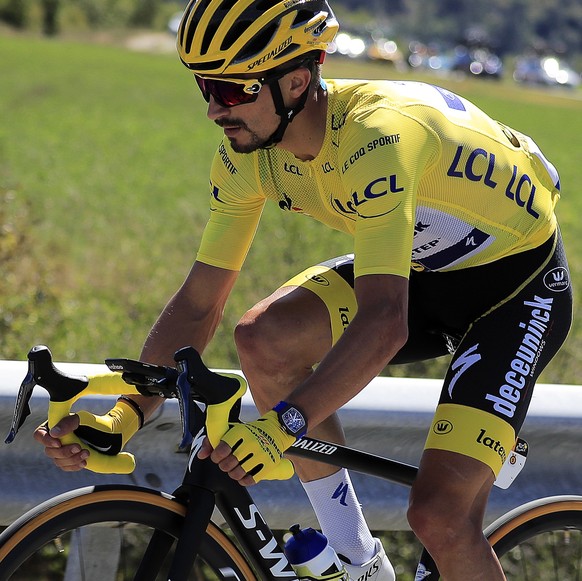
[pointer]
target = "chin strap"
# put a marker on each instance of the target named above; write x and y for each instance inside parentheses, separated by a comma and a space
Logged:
(287, 114)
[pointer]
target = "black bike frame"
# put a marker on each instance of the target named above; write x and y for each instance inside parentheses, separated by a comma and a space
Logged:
(205, 485)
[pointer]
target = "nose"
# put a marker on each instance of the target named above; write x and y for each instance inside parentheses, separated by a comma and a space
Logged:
(216, 110)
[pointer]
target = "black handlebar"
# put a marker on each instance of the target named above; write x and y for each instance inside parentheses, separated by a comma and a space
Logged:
(191, 381)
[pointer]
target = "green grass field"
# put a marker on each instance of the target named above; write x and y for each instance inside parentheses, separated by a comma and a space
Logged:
(104, 159)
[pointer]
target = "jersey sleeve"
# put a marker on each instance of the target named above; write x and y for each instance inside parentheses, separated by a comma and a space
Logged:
(383, 155)
(236, 205)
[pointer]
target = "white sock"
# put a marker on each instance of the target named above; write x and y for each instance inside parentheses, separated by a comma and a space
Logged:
(340, 516)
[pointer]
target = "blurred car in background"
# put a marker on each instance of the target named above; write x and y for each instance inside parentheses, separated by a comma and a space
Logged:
(480, 61)
(174, 23)
(545, 70)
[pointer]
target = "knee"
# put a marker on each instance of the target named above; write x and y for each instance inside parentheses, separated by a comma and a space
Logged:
(254, 332)
(262, 340)
(422, 519)
(438, 524)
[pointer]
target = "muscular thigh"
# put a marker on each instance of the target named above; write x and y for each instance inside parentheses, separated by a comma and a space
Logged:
(292, 322)
(333, 282)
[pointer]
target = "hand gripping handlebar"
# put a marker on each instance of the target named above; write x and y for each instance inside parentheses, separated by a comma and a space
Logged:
(64, 390)
(221, 393)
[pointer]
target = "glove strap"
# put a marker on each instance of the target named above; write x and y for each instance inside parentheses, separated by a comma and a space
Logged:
(133, 405)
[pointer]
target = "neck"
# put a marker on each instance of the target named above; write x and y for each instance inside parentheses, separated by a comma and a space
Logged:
(305, 134)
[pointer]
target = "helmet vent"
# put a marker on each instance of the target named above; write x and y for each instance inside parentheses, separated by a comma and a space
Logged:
(291, 48)
(208, 36)
(263, 5)
(302, 17)
(198, 8)
(207, 66)
(219, 15)
(257, 44)
(234, 34)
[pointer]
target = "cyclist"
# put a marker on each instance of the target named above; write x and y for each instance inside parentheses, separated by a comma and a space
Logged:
(456, 251)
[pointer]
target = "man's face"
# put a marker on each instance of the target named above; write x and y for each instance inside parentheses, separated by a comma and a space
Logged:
(248, 127)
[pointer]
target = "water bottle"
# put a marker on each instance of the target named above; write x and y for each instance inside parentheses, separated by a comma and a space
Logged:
(312, 557)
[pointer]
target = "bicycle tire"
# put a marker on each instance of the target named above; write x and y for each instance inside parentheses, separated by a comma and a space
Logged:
(541, 540)
(42, 543)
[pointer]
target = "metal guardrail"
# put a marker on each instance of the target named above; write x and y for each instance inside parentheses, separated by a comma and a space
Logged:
(390, 417)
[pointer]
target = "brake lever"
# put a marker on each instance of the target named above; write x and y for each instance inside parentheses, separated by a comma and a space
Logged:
(183, 396)
(22, 408)
(41, 371)
(219, 392)
(147, 378)
(159, 380)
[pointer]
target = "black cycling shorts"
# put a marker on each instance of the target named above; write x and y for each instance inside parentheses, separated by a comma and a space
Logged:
(502, 322)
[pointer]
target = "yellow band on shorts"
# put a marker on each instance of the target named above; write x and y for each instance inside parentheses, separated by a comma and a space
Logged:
(471, 432)
(337, 295)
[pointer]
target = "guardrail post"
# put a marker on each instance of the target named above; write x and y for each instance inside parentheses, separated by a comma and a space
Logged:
(98, 564)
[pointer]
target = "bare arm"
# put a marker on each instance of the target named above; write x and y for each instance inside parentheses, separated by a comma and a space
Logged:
(189, 319)
(192, 314)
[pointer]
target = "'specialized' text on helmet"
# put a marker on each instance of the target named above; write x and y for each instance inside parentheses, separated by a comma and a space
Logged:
(233, 37)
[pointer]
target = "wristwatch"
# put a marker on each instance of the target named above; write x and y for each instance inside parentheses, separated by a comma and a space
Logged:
(291, 419)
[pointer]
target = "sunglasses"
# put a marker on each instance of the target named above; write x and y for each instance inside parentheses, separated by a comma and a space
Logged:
(230, 92)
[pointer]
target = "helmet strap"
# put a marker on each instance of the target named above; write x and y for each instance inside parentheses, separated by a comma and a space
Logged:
(287, 114)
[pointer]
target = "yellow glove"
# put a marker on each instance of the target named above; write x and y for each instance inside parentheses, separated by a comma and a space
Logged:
(259, 447)
(218, 415)
(124, 420)
(108, 434)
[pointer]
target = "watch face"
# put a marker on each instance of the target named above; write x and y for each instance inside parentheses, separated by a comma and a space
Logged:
(293, 419)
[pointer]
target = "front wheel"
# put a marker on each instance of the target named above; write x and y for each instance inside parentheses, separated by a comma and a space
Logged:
(541, 540)
(100, 533)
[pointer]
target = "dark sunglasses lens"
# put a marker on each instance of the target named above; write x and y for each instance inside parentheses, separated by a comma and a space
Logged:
(224, 93)
(203, 87)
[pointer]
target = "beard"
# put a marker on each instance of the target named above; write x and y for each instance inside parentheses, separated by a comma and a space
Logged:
(255, 141)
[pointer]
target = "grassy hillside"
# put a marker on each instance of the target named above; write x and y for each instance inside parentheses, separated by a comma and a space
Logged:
(104, 158)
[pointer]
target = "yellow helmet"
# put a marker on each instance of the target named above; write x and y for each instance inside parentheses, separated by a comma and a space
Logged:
(233, 37)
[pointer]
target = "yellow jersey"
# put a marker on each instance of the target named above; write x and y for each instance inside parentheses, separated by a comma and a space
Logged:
(419, 176)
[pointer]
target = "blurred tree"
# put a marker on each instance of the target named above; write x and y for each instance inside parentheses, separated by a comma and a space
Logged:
(50, 10)
(144, 14)
(14, 12)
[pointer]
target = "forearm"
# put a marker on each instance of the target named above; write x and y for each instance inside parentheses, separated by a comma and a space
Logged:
(190, 318)
(175, 328)
(344, 372)
(178, 326)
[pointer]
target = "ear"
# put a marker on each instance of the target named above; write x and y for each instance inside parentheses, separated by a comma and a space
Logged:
(298, 80)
